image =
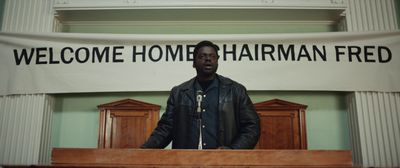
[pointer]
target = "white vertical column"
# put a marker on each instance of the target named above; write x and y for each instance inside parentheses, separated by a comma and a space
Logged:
(374, 116)
(25, 120)
(28, 16)
(375, 128)
(371, 15)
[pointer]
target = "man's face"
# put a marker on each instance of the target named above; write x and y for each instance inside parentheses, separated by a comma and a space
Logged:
(206, 61)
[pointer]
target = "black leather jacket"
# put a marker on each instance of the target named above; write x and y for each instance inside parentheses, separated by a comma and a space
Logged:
(239, 126)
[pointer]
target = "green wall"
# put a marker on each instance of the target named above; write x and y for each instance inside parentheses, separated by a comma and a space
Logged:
(76, 115)
(326, 116)
(75, 120)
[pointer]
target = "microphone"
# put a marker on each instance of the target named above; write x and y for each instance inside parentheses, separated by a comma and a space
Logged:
(199, 100)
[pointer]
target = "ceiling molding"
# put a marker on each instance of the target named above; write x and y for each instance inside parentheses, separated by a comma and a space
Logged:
(219, 15)
(193, 12)
(198, 4)
(192, 23)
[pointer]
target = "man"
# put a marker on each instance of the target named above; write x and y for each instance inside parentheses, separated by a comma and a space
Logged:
(207, 112)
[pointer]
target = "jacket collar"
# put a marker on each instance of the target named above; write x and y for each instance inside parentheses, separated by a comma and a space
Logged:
(224, 82)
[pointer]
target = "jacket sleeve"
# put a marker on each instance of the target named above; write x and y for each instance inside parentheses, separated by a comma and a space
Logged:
(162, 134)
(249, 122)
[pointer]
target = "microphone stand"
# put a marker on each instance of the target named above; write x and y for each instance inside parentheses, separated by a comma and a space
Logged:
(199, 99)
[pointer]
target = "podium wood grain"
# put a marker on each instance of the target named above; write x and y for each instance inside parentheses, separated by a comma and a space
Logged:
(202, 158)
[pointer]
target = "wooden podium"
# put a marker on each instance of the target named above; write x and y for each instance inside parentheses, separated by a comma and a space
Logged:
(199, 158)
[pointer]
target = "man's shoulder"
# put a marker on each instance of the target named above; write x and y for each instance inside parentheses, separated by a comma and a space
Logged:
(222, 79)
(228, 81)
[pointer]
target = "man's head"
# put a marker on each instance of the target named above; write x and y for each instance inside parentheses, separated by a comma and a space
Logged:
(206, 59)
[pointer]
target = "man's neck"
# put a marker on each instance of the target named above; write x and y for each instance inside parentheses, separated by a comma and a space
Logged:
(206, 78)
(205, 83)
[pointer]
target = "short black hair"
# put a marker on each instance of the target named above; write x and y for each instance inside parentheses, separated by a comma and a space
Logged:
(203, 44)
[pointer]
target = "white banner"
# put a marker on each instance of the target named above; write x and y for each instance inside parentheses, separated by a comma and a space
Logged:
(71, 62)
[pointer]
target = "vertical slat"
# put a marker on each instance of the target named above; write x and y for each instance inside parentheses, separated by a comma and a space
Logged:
(37, 15)
(392, 18)
(372, 125)
(367, 125)
(355, 132)
(373, 15)
(379, 13)
(395, 105)
(12, 129)
(382, 8)
(45, 146)
(22, 120)
(359, 26)
(7, 127)
(34, 129)
(379, 114)
(24, 16)
(7, 21)
(26, 101)
(384, 15)
(387, 98)
(358, 129)
(363, 13)
(41, 15)
(43, 137)
(384, 150)
(368, 15)
(355, 13)
(3, 127)
(351, 16)
(386, 8)
(3, 131)
(393, 127)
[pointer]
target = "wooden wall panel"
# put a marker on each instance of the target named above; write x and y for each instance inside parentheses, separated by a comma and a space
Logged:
(126, 123)
(282, 125)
